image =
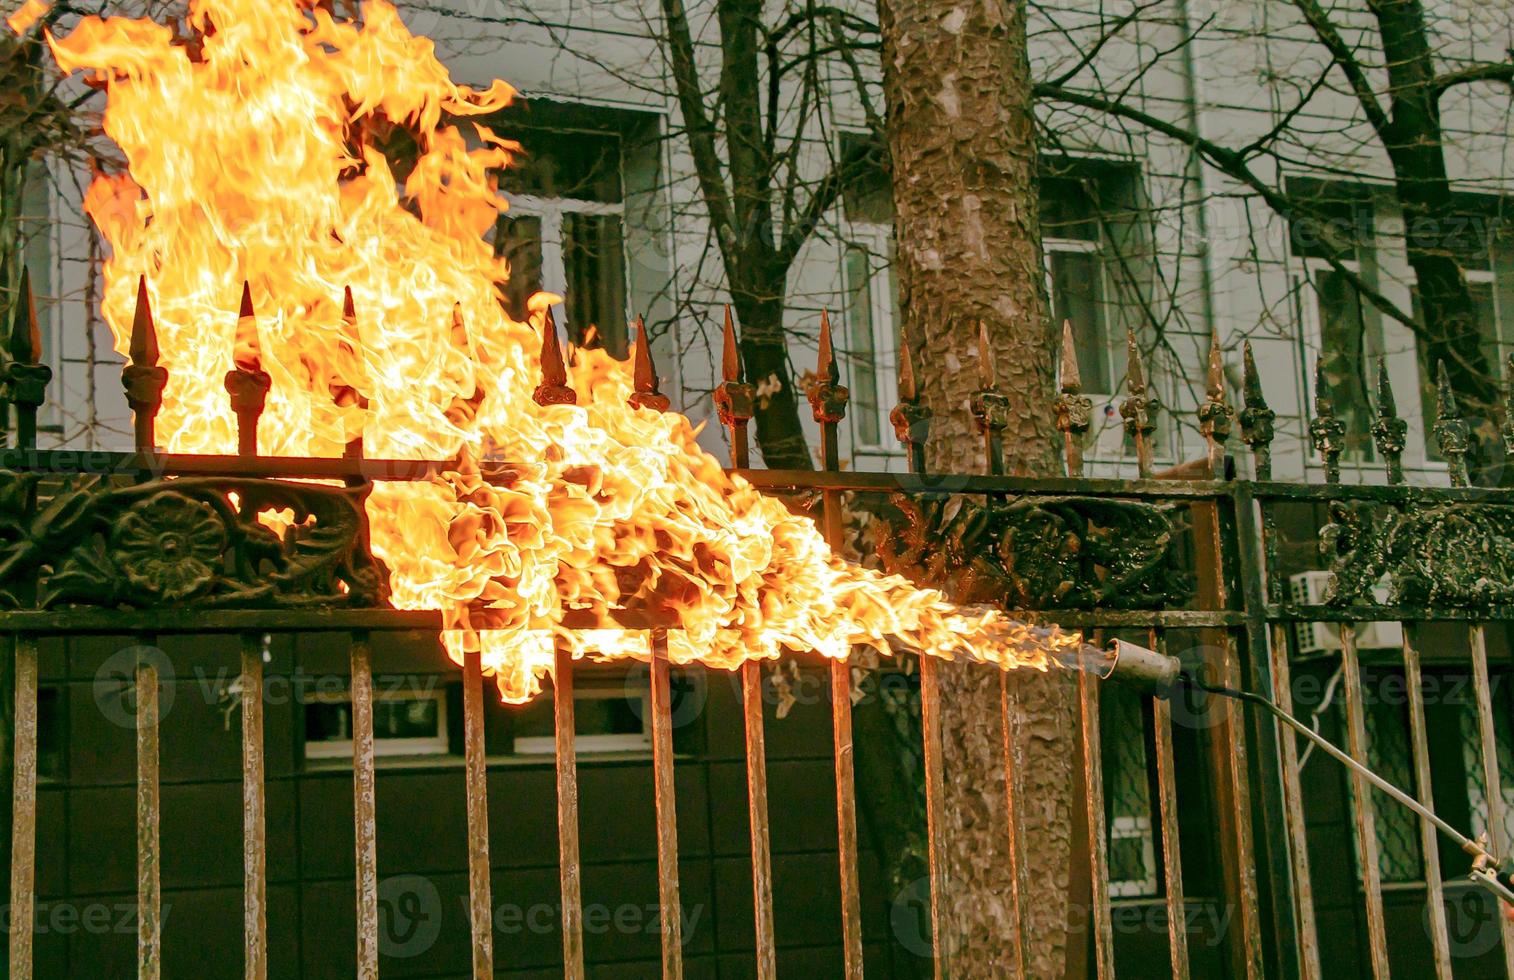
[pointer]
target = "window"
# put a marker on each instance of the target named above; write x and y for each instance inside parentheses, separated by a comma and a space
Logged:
(872, 302)
(1075, 249)
(1470, 730)
(405, 722)
(1338, 325)
(1127, 800)
(564, 231)
(1389, 754)
(605, 720)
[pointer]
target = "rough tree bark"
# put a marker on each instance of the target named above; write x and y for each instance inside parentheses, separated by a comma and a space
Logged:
(962, 139)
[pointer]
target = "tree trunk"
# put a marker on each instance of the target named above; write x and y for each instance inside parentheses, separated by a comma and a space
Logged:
(962, 139)
(764, 354)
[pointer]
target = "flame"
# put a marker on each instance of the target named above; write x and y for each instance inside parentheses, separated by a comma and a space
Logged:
(247, 161)
(27, 14)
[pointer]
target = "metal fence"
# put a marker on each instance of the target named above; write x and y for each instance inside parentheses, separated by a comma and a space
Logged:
(1192, 561)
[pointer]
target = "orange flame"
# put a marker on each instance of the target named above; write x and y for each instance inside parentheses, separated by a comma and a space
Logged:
(247, 162)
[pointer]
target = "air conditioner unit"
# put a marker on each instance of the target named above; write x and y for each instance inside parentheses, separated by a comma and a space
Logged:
(1308, 588)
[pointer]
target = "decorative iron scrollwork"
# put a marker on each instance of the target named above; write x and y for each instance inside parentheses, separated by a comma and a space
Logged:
(1456, 555)
(187, 541)
(1039, 552)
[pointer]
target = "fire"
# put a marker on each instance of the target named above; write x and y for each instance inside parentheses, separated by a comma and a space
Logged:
(248, 162)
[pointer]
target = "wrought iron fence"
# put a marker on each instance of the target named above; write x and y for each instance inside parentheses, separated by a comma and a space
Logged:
(1191, 562)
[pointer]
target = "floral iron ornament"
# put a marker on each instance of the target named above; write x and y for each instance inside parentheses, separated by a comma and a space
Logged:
(186, 541)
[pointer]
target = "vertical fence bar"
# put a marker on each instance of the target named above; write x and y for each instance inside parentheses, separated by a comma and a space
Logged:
(1098, 855)
(828, 404)
(1366, 818)
(149, 897)
(569, 867)
(757, 815)
(667, 811)
(1429, 837)
(365, 835)
(247, 383)
(734, 403)
(935, 790)
(25, 377)
(476, 778)
(24, 810)
(1498, 840)
(254, 839)
(1172, 851)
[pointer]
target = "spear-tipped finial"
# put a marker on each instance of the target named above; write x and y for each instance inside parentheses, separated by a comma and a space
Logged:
(1137, 407)
(1071, 374)
(1452, 433)
(1256, 417)
(247, 383)
(828, 398)
(25, 337)
(349, 307)
(1389, 431)
(25, 380)
(987, 373)
(143, 379)
(1216, 416)
(730, 359)
(735, 400)
(644, 379)
(553, 389)
(911, 420)
(1074, 409)
(1326, 431)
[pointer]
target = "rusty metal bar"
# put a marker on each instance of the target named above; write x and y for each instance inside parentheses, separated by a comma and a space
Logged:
(1293, 810)
(365, 838)
(1014, 815)
(935, 792)
(757, 815)
(24, 810)
(1167, 801)
(667, 811)
(476, 776)
(1429, 838)
(254, 833)
(569, 866)
(1492, 782)
(1098, 855)
(1366, 818)
(846, 818)
(149, 893)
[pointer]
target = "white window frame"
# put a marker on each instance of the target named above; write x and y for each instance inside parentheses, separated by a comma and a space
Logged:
(624, 743)
(554, 269)
(878, 240)
(342, 748)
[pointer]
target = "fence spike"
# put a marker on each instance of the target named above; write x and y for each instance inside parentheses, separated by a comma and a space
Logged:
(553, 389)
(828, 398)
(1216, 416)
(1074, 409)
(911, 420)
(987, 373)
(1389, 431)
(1137, 406)
(1327, 432)
(25, 379)
(349, 307)
(646, 394)
(1451, 430)
(735, 401)
(1256, 417)
(143, 379)
(247, 383)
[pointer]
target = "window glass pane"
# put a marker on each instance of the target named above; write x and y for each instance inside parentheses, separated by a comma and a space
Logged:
(1485, 313)
(1331, 227)
(864, 355)
(1077, 296)
(565, 164)
(406, 718)
(1127, 800)
(1471, 746)
(594, 267)
(1388, 753)
(1345, 355)
(867, 196)
(518, 239)
(1069, 208)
